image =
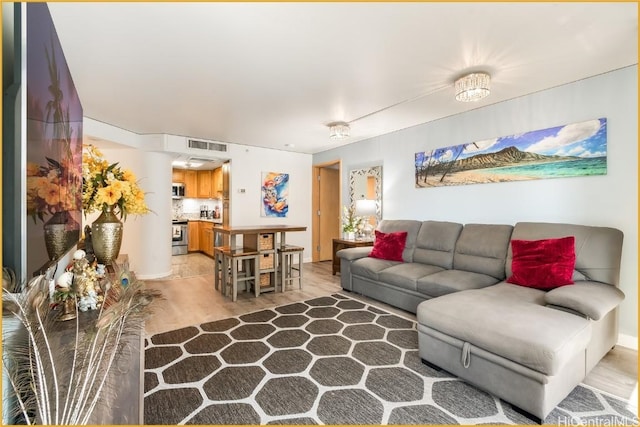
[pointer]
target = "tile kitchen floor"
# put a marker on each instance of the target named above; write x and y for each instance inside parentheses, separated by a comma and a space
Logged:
(194, 264)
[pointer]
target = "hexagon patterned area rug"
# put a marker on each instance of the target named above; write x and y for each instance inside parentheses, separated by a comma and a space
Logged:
(329, 360)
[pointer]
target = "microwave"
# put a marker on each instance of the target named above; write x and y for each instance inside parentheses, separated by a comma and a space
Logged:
(177, 190)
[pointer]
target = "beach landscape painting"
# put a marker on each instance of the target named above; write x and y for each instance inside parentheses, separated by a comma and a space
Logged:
(576, 149)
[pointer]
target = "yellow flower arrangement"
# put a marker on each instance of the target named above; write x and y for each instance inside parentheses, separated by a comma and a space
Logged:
(108, 185)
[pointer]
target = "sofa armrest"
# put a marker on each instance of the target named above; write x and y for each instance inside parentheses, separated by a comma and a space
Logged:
(593, 299)
(352, 254)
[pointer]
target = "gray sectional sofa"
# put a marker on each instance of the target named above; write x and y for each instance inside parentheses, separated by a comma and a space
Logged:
(530, 347)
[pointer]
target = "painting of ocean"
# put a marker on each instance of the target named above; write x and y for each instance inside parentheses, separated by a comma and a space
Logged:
(577, 167)
(576, 149)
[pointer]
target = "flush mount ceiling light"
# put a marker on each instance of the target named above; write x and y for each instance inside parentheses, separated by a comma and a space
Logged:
(339, 130)
(472, 87)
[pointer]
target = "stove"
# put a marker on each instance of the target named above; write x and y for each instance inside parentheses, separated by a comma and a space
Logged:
(179, 237)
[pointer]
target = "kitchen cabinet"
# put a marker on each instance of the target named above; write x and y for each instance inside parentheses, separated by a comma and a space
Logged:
(204, 184)
(177, 175)
(206, 237)
(190, 183)
(194, 236)
(225, 180)
(216, 182)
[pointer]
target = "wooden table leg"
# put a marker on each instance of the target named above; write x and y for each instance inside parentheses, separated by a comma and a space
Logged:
(256, 275)
(234, 280)
(217, 269)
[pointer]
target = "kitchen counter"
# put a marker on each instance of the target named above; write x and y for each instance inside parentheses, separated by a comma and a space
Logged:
(214, 221)
(232, 232)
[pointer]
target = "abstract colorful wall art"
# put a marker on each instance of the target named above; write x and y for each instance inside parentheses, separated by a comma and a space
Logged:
(577, 149)
(275, 194)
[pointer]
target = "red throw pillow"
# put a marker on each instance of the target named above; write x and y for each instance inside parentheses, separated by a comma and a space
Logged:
(543, 264)
(389, 246)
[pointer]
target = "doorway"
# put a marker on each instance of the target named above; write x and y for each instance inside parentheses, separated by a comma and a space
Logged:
(326, 196)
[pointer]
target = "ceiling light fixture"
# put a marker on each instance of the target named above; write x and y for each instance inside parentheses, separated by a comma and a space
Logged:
(339, 130)
(472, 87)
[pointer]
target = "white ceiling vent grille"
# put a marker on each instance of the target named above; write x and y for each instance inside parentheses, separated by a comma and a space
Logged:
(205, 145)
(198, 159)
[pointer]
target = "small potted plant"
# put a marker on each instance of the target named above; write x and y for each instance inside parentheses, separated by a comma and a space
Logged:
(350, 223)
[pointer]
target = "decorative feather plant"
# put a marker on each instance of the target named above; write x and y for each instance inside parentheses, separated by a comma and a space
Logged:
(60, 380)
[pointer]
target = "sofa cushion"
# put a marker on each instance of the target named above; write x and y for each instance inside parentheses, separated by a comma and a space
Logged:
(406, 275)
(543, 264)
(370, 267)
(598, 249)
(447, 281)
(482, 248)
(389, 246)
(351, 254)
(509, 321)
(593, 299)
(436, 242)
(408, 225)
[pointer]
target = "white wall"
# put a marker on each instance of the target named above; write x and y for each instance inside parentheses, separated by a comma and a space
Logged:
(150, 235)
(247, 165)
(610, 200)
(144, 237)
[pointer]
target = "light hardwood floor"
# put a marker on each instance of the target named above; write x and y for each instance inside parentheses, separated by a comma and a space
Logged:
(189, 298)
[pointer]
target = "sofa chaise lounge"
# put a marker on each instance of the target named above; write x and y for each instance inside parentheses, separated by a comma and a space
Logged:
(528, 346)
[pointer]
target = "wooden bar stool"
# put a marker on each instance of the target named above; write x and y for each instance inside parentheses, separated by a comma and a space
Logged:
(287, 265)
(221, 264)
(249, 260)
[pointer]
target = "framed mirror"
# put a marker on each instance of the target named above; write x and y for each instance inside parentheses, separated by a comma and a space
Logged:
(366, 184)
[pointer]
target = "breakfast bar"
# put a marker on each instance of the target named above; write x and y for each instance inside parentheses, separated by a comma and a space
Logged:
(233, 231)
(265, 241)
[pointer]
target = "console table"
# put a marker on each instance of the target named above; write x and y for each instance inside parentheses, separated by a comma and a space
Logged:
(122, 398)
(339, 244)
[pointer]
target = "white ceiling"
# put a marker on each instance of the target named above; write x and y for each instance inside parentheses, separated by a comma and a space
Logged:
(271, 74)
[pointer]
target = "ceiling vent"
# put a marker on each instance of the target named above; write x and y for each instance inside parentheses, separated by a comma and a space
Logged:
(198, 159)
(205, 145)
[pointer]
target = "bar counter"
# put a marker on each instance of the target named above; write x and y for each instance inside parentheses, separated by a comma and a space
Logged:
(233, 231)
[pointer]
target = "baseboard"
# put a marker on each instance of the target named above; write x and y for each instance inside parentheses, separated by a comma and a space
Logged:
(628, 341)
(153, 276)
